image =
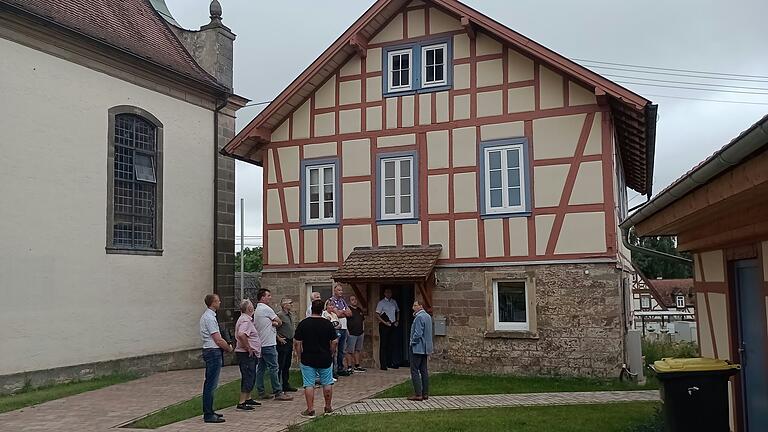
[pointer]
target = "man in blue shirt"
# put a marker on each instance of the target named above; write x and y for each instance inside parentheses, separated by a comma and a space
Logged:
(387, 312)
(421, 348)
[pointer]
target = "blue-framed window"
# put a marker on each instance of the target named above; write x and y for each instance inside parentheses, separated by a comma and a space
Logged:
(397, 187)
(320, 192)
(505, 178)
(417, 67)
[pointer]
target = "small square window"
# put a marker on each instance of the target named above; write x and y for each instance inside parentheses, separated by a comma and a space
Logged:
(400, 67)
(510, 304)
(645, 301)
(144, 168)
(433, 71)
(680, 300)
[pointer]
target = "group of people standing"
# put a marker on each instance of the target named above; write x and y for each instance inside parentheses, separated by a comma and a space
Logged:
(328, 343)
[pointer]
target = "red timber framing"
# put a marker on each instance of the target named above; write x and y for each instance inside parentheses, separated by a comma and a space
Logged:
(253, 141)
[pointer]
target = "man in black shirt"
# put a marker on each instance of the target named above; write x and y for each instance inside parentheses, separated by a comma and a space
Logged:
(314, 343)
(354, 346)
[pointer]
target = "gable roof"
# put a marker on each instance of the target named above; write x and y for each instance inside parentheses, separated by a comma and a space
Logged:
(408, 263)
(131, 26)
(634, 116)
(668, 289)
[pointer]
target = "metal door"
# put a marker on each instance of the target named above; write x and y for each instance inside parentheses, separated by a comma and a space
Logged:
(754, 343)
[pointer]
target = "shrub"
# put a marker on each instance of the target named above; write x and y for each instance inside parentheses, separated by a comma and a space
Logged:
(659, 349)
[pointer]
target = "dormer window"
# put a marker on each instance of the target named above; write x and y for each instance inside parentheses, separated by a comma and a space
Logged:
(680, 300)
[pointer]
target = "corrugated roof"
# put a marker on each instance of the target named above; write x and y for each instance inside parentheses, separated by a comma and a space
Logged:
(129, 25)
(389, 264)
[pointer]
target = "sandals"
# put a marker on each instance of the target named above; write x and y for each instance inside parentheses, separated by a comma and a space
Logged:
(328, 410)
(308, 413)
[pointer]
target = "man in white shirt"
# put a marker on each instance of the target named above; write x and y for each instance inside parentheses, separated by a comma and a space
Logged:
(312, 297)
(388, 314)
(266, 321)
(213, 344)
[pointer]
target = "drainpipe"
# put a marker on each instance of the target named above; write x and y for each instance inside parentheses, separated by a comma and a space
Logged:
(216, 183)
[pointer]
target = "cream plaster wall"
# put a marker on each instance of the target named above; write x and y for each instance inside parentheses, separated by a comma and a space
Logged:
(373, 60)
(350, 121)
(549, 181)
(300, 123)
(441, 107)
(330, 245)
(271, 173)
(489, 104)
(461, 107)
(551, 88)
(310, 246)
(440, 22)
(407, 111)
(356, 157)
(295, 244)
(277, 249)
(412, 234)
(351, 67)
(543, 229)
(578, 95)
(437, 149)
(439, 234)
(281, 133)
(357, 200)
(373, 89)
(355, 236)
(387, 235)
(489, 72)
(502, 130)
(464, 147)
(719, 308)
(521, 99)
(437, 186)
(696, 269)
(486, 45)
(396, 140)
(391, 32)
(425, 109)
(466, 238)
(274, 214)
(349, 92)
(292, 203)
(712, 263)
(556, 137)
(520, 67)
(518, 236)
(391, 107)
(460, 46)
(325, 96)
(53, 265)
(705, 334)
(416, 23)
(588, 188)
(373, 118)
(582, 233)
(325, 124)
(464, 192)
(461, 73)
(320, 150)
(595, 140)
(289, 163)
(493, 230)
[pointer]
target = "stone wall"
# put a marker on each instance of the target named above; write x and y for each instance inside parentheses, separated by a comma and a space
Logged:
(577, 330)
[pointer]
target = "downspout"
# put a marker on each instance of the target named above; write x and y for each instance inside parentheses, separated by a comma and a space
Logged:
(216, 112)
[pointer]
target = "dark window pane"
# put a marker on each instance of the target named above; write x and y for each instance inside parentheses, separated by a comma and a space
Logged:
(144, 199)
(314, 175)
(438, 73)
(513, 177)
(430, 57)
(512, 307)
(314, 193)
(405, 60)
(389, 187)
(328, 175)
(496, 198)
(144, 168)
(404, 78)
(405, 186)
(513, 158)
(328, 210)
(328, 193)
(495, 176)
(396, 62)
(405, 168)
(439, 56)
(143, 232)
(314, 210)
(389, 205)
(514, 196)
(430, 74)
(494, 160)
(395, 79)
(405, 204)
(389, 169)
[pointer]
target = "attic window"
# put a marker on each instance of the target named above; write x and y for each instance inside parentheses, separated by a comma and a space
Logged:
(433, 58)
(418, 67)
(400, 70)
(680, 300)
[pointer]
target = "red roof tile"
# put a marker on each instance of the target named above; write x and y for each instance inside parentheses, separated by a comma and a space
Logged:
(669, 288)
(402, 263)
(129, 25)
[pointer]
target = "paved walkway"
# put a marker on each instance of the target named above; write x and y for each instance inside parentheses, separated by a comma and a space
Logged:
(274, 416)
(498, 400)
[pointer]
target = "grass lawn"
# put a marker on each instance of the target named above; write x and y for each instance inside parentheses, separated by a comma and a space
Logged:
(448, 384)
(572, 418)
(227, 395)
(28, 397)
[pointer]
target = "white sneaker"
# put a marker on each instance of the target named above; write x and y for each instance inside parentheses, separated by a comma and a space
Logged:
(334, 380)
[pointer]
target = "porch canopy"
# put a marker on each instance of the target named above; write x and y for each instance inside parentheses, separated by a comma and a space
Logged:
(414, 264)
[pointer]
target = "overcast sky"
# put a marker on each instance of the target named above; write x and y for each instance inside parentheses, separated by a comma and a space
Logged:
(277, 40)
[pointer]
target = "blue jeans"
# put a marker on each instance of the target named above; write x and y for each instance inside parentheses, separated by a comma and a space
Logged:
(213, 358)
(340, 350)
(268, 360)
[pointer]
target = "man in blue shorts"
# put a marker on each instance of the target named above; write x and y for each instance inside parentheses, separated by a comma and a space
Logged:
(314, 342)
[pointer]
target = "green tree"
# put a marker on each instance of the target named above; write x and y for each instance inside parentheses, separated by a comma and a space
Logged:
(253, 260)
(654, 267)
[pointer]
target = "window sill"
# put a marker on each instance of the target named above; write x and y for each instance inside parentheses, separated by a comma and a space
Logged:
(123, 251)
(397, 221)
(505, 215)
(306, 226)
(395, 93)
(511, 334)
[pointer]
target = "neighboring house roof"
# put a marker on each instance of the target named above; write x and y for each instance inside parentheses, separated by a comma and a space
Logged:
(739, 149)
(409, 263)
(131, 26)
(634, 116)
(668, 289)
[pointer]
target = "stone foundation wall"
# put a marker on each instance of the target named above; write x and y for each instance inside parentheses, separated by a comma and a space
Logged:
(143, 365)
(577, 329)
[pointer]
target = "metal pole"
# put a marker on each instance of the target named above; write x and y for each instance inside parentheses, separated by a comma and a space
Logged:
(242, 248)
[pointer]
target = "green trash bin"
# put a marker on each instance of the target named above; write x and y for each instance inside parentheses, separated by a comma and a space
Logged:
(694, 392)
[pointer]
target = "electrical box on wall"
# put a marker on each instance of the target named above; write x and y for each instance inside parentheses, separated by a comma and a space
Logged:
(439, 325)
